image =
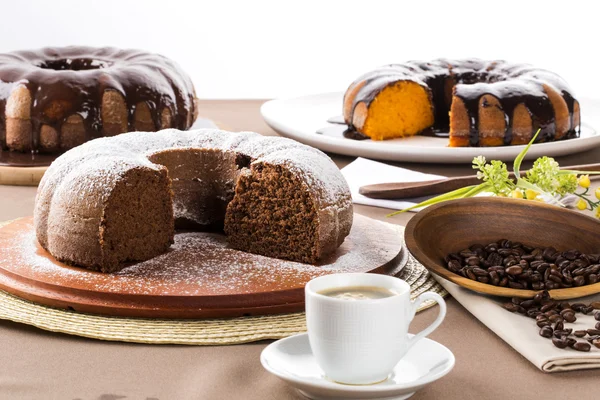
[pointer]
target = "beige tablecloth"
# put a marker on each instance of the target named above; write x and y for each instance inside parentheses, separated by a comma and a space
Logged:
(36, 364)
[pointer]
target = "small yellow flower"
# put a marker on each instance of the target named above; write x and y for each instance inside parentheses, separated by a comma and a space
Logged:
(598, 193)
(598, 212)
(517, 194)
(584, 181)
(581, 204)
(531, 194)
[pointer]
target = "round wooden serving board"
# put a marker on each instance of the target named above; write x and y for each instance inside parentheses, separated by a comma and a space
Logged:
(199, 277)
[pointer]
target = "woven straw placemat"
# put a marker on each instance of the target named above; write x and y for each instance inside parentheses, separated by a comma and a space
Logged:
(191, 332)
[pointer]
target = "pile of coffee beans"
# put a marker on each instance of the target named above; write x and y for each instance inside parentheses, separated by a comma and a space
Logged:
(551, 316)
(517, 266)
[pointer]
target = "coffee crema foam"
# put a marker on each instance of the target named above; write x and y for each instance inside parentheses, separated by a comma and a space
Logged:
(357, 293)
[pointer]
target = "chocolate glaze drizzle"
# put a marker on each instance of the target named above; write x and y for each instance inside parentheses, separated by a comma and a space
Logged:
(470, 80)
(72, 80)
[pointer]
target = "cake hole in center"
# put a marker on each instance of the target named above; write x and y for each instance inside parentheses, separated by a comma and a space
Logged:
(74, 64)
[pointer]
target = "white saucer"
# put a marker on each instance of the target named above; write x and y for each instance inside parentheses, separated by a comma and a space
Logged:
(300, 118)
(291, 359)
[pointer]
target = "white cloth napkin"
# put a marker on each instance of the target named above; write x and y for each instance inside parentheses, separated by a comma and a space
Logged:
(522, 332)
(363, 172)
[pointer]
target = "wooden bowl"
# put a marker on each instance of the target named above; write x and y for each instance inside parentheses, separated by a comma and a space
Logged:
(455, 225)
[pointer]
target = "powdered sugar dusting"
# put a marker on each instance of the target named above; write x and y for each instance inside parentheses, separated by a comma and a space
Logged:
(198, 264)
(123, 152)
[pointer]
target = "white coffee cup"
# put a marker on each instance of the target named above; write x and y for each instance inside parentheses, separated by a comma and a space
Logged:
(360, 342)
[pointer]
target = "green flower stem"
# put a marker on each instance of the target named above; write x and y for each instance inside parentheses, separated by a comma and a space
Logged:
(455, 194)
(583, 196)
(521, 156)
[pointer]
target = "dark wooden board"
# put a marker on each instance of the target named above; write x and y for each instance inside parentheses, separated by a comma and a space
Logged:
(215, 282)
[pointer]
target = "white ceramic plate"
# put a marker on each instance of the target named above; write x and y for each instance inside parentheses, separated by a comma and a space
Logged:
(299, 118)
(291, 359)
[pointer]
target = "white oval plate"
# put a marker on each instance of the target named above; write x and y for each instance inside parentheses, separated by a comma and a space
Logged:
(299, 118)
(291, 359)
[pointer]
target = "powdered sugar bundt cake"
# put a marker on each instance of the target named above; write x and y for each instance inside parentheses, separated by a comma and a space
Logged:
(54, 99)
(119, 199)
(481, 103)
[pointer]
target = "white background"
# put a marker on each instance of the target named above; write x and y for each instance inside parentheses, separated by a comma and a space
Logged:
(265, 49)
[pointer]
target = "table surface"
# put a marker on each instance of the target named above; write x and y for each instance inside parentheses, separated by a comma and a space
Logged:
(38, 364)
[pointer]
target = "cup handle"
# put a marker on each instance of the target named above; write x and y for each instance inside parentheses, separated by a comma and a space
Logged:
(441, 315)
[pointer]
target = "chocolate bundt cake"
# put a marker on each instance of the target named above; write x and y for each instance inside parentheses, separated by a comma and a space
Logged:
(54, 99)
(481, 103)
(119, 199)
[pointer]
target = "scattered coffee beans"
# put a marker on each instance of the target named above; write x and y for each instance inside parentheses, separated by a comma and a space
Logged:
(515, 265)
(551, 315)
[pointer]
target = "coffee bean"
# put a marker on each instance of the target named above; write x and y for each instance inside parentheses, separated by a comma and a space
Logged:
(528, 303)
(580, 334)
(473, 260)
(494, 278)
(569, 316)
(537, 285)
(546, 331)
(593, 332)
(555, 278)
(597, 325)
(562, 332)
(544, 323)
(586, 310)
(471, 274)
(596, 343)
(555, 318)
(466, 253)
(570, 254)
(515, 285)
(548, 307)
(550, 254)
(596, 305)
(597, 316)
(561, 343)
(510, 307)
(559, 326)
(514, 270)
(582, 346)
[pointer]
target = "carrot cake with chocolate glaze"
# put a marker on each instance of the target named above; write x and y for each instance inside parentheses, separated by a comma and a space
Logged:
(480, 103)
